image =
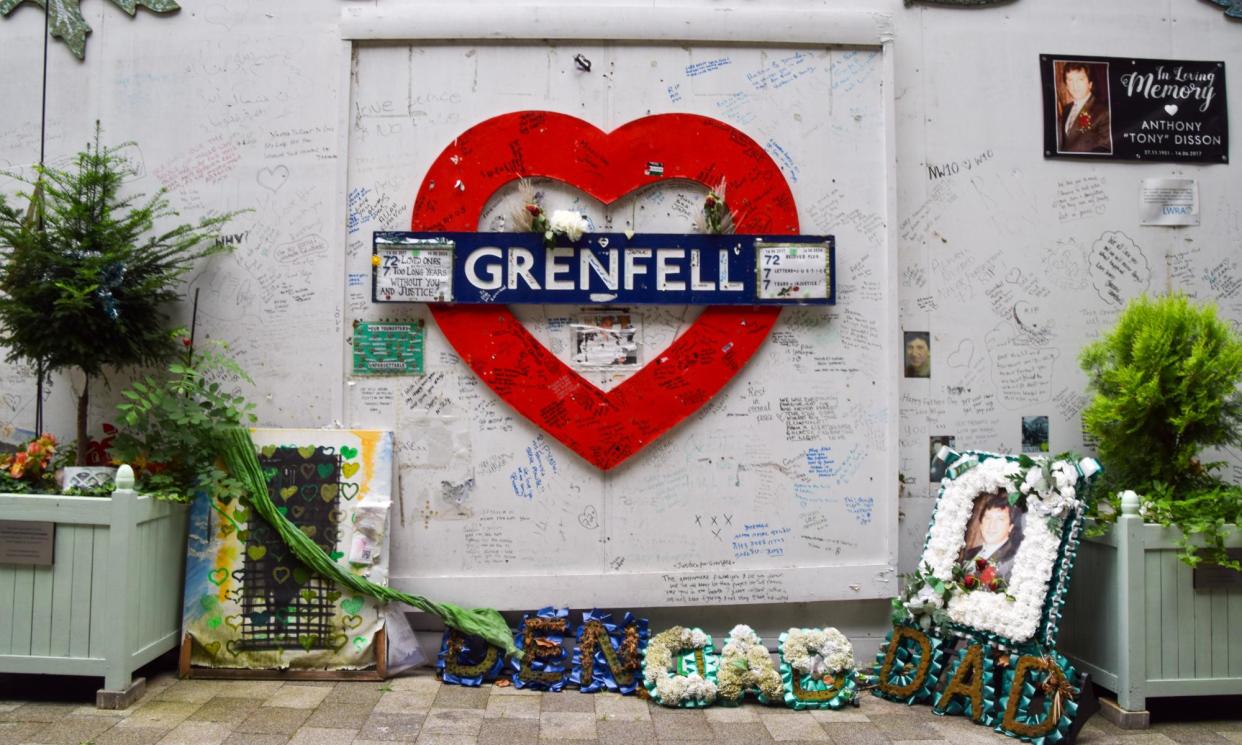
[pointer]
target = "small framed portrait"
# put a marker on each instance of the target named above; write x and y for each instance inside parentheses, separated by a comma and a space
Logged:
(1082, 107)
(918, 354)
(605, 341)
(1000, 546)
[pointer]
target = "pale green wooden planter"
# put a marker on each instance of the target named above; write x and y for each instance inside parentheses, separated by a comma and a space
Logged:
(1134, 621)
(111, 601)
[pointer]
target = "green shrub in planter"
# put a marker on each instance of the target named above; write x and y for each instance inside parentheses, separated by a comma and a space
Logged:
(1165, 381)
(172, 424)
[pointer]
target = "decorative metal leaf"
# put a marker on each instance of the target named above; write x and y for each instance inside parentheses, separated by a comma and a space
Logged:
(1233, 8)
(65, 19)
(978, 3)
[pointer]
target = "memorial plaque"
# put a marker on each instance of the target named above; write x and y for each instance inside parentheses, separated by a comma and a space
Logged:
(1217, 577)
(27, 542)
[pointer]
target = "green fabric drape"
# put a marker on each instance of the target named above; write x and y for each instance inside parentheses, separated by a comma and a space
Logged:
(239, 457)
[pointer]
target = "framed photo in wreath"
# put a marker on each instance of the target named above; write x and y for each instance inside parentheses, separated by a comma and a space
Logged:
(1001, 544)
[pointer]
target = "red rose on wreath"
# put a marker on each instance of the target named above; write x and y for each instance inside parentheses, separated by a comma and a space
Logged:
(969, 581)
(988, 576)
(1084, 121)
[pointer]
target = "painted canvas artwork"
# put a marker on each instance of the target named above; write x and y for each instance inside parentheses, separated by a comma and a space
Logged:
(249, 603)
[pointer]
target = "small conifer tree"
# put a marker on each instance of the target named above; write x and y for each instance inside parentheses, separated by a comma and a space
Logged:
(86, 273)
(1165, 381)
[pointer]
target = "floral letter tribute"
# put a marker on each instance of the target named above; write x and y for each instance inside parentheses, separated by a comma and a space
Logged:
(986, 601)
(746, 666)
(609, 656)
(691, 649)
(817, 669)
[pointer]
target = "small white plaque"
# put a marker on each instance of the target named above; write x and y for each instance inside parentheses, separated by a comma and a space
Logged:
(792, 271)
(1169, 201)
(420, 273)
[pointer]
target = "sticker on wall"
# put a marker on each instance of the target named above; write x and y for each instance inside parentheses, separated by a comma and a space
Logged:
(388, 347)
(249, 603)
(1119, 108)
(604, 427)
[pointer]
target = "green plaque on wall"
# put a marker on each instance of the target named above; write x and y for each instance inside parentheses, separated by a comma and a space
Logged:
(388, 348)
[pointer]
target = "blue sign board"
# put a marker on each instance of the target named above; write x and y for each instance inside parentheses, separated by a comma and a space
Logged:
(604, 268)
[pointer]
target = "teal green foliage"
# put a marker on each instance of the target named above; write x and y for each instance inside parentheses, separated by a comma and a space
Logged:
(87, 270)
(172, 426)
(1165, 381)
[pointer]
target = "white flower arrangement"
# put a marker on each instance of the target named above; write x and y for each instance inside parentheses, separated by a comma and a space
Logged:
(818, 652)
(666, 688)
(746, 664)
(1050, 492)
(570, 223)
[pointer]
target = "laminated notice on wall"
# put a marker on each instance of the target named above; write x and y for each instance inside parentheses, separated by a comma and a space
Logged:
(412, 271)
(789, 271)
(388, 348)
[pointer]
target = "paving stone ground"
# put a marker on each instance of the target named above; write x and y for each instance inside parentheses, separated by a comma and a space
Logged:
(419, 709)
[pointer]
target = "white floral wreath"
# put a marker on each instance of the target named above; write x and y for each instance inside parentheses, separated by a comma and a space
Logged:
(1050, 493)
(818, 652)
(673, 690)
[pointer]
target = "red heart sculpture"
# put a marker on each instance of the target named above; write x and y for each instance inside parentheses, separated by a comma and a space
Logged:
(604, 427)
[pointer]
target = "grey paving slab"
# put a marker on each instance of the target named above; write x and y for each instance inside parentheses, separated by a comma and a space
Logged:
(273, 720)
(569, 701)
(339, 715)
(680, 724)
(197, 733)
(391, 727)
(323, 736)
(855, 733)
(461, 697)
(512, 707)
(509, 732)
(740, 732)
(132, 736)
(291, 696)
(225, 710)
(70, 731)
(12, 733)
(357, 693)
(567, 725)
(454, 721)
(625, 732)
(251, 738)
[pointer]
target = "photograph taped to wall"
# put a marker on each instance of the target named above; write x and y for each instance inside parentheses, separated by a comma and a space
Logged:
(1001, 544)
(606, 340)
(937, 464)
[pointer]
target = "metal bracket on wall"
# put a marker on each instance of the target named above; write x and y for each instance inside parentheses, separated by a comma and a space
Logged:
(65, 20)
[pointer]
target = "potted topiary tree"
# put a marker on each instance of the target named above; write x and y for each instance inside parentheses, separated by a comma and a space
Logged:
(86, 273)
(1140, 617)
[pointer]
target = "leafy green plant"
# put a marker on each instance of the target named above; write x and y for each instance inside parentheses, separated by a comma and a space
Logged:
(85, 274)
(1165, 381)
(171, 426)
